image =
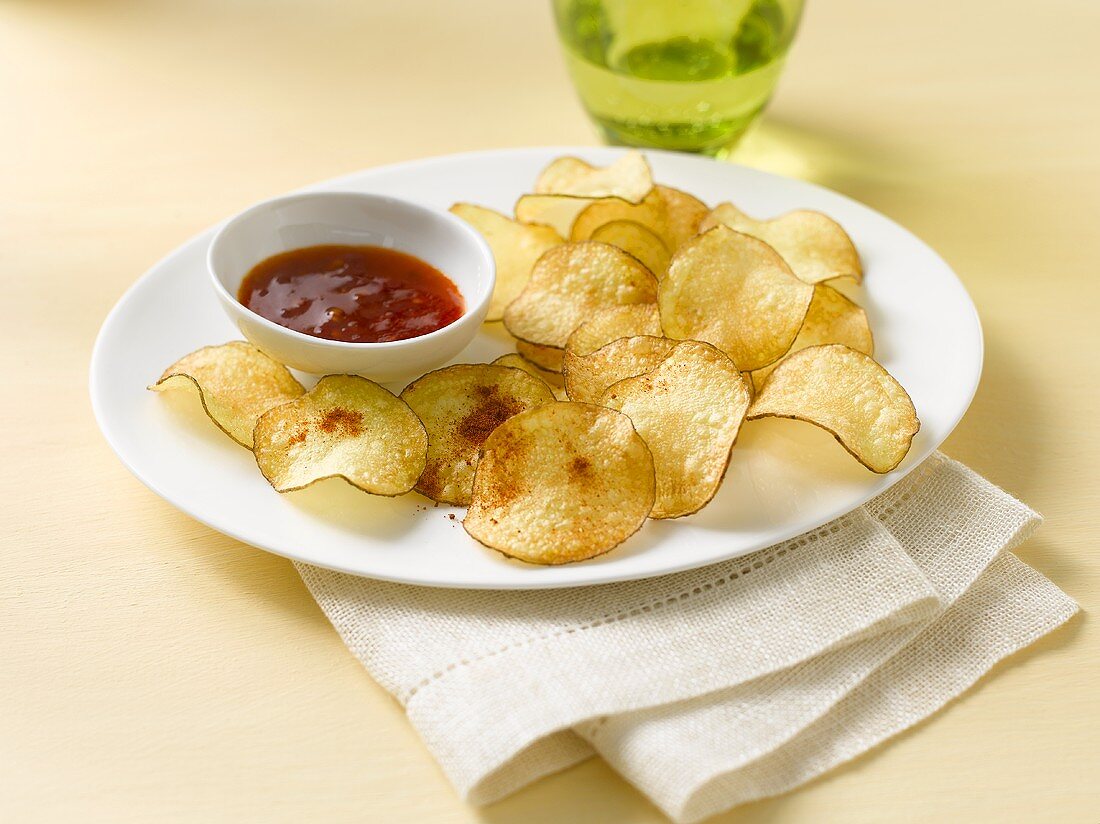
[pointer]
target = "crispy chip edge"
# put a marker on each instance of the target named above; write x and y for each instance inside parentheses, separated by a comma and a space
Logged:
(836, 436)
(158, 386)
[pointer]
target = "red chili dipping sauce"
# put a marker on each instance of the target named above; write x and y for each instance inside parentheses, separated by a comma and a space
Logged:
(358, 294)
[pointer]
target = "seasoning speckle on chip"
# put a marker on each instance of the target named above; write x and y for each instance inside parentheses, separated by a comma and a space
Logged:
(345, 421)
(235, 382)
(561, 483)
(344, 427)
(460, 407)
(490, 410)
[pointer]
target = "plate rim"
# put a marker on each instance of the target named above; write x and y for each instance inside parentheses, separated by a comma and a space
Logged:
(778, 536)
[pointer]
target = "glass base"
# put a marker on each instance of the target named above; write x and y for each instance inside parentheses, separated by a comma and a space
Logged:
(716, 139)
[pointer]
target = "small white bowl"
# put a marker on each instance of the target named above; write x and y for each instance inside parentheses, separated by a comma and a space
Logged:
(286, 223)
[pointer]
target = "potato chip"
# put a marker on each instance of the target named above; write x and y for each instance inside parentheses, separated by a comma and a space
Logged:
(547, 358)
(847, 393)
(344, 427)
(672, 215)
(683, 215)
(628, 177)
(735, 292)
(639, 241)
(831, 318)
(688, 410)
(651, 213)
(460, 406)
(552, 379)
(570, 283)
(614, 323)
(516, 247)
(814, 245)
(561, 483)
(235, 382)
(556, 211)
(748, 382)
(587, 377)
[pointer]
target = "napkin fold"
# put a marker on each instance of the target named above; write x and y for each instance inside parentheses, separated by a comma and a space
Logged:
(715, 686)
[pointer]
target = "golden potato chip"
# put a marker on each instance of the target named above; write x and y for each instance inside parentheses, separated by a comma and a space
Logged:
(516, 247)
(614, 323)
(847, 393)
(556, 211)
(672, 215)
(688, 410)
(628, 177)
(552, 379)
(547, 358)
(651, 212)
(344, 427)
(459, 407)
(831, 318)
(586, 377)
(735, 292)
(814, 245)
(235, 382)
(561, 483)
(639, 241)
(683, 215)
(570, 283)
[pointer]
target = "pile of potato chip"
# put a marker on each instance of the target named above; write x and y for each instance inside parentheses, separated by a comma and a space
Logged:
(649, 329)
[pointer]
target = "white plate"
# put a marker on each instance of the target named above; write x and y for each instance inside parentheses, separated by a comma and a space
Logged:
(785, 478)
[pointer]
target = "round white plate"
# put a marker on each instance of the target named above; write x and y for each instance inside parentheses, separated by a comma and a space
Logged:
(785, 478)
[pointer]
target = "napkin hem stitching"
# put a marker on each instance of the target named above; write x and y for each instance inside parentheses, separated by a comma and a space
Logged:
(742, 569)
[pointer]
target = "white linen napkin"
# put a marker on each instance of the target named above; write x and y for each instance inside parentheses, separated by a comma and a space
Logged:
(716, 686)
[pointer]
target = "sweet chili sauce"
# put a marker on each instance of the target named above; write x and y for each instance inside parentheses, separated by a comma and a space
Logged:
(357, 294)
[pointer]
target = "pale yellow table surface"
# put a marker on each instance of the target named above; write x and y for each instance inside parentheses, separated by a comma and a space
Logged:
(153, 670)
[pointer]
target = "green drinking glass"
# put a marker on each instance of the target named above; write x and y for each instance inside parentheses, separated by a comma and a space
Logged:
(689, 75)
